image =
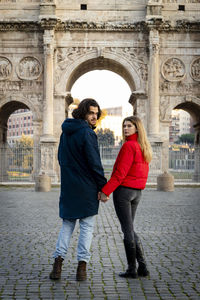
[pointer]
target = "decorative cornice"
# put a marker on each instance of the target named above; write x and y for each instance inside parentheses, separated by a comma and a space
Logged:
(180, 25)
(100, 26)
(51, 23)
(19, 26)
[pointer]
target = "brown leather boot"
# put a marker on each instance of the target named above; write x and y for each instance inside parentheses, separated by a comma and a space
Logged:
(57, 268)
(81, 273)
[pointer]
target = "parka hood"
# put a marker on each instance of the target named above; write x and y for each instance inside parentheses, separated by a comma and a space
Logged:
(70, 126)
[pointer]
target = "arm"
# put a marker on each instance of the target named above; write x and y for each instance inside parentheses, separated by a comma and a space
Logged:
(123, 164)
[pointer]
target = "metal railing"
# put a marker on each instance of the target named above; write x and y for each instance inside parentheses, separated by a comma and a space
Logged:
(18, 163)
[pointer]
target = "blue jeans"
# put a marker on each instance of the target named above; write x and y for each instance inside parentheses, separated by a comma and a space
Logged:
(84, 242)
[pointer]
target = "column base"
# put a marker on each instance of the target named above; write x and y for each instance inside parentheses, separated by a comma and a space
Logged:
(165, 182)
(48, 158)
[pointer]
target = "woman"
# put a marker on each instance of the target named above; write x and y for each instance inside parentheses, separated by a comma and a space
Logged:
(128, 178)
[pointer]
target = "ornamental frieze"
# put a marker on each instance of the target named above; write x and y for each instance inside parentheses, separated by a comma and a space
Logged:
(173, 69)
(98, 26)
(14, 86)
(179, 88)
(195, 69)
(5, 68)
(29, 68)
(178, 1)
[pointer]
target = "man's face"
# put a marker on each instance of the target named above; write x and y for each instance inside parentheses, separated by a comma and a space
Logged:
(91, 116)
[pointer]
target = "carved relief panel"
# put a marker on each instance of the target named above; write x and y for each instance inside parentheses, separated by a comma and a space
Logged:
(195, 69)
(173, 69)
(29, 68)
(165, 109)
(5, 68)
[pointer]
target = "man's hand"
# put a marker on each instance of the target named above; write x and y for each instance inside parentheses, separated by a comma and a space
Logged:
(102, 197)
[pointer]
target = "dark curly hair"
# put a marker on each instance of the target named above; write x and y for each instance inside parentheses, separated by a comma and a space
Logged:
(83, 109)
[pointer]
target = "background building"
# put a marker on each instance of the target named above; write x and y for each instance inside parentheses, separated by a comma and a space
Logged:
(180, 124)
(113, 121)
(20, 122)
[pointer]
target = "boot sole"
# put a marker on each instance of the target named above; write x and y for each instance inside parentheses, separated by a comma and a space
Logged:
(54, 278)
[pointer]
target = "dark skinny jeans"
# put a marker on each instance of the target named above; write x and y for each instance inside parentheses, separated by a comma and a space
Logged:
(126, 201)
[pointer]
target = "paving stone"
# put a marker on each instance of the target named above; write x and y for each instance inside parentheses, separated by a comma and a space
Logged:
(169, 227)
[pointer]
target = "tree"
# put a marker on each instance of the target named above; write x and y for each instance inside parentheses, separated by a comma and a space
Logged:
(23, 152)
(187, 138)
(105, 137)
(103, 115)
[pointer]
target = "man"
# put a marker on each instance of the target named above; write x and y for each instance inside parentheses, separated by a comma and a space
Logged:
(82, 178)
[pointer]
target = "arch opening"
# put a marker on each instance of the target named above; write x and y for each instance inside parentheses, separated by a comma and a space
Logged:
(184, 153)
(18, 151)
(102, 63)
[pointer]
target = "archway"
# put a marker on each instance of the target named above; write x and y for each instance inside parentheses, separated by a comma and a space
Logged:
(189, 156)
(102, 63)
(9, 153)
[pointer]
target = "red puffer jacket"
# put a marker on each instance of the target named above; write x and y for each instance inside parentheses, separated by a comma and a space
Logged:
(130, 169)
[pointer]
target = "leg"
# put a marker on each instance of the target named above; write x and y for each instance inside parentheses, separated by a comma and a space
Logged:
(84, 243)
(142, 268)
(61, 247)
(125, 202)
(64, 238)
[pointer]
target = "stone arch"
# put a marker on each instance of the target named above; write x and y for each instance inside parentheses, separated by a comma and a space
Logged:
(105, 61)
(8, 105)
(15, 101)
(192, 106)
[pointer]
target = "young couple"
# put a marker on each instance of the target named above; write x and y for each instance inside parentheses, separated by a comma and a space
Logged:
(83, 185)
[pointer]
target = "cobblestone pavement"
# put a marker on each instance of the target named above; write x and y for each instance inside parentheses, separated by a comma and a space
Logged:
(168, 224)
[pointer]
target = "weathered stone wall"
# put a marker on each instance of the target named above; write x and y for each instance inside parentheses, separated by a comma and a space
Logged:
(45, 46)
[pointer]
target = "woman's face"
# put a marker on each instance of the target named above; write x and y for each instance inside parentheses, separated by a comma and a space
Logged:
(129, 128)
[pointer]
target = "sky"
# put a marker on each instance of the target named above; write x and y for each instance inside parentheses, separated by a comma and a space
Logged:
(106, 87)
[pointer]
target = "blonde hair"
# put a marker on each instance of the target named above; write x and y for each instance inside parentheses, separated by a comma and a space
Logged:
(142, 137)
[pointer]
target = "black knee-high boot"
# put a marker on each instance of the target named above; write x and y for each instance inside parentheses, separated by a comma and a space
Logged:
(131, 259)
(142, 266)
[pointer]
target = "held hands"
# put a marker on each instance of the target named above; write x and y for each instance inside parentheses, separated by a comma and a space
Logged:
(102, 197)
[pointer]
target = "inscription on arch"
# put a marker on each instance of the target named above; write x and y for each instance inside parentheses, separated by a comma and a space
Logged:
(29, 68)
(5, 68)
(173, 69)
(195, 69)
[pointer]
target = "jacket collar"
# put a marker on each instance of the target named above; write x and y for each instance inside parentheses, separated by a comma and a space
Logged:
(132, 137)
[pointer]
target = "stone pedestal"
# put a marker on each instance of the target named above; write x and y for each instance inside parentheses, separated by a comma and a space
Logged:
(48, 146)
(165, 182)
(43, 183)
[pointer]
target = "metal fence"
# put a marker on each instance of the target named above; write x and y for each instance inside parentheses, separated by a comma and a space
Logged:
(17, 163)
(182, 161)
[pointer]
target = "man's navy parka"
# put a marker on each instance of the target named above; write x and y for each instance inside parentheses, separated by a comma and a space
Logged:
(82, 175)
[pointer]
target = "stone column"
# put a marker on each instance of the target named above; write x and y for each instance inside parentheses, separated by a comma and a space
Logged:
(153, 83)
(48, 143)
(48, 39)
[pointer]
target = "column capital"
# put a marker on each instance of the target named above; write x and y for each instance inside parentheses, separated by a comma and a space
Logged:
(154, 43)
(139, 94)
